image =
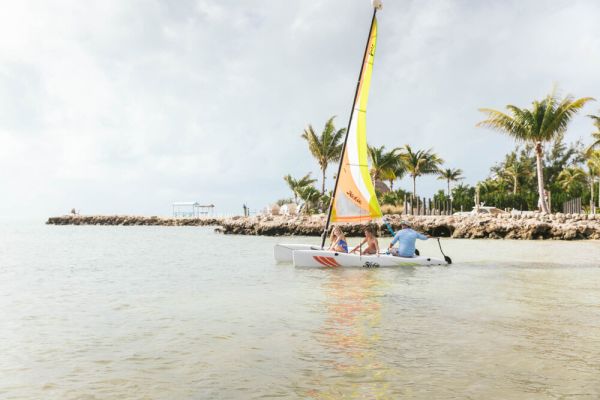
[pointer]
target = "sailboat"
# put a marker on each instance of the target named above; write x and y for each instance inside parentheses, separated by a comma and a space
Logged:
(353, 199)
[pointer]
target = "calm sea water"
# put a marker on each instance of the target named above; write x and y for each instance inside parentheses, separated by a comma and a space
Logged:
(183, 313)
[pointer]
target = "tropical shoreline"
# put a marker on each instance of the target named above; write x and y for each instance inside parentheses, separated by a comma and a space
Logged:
(504, 226)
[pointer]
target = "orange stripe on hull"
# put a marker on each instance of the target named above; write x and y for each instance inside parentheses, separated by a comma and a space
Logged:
(333, 262)
(318, 259)
(326, 261)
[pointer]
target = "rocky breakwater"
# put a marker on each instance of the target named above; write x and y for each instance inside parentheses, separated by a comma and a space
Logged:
(506, 226)
(503, 226)
(130, 220)
(303, 225)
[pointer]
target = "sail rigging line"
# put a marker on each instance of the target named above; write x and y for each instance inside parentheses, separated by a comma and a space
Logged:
(358, 85)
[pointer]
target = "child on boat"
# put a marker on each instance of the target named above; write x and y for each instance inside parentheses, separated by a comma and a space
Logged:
(371, 241)
(338, 241)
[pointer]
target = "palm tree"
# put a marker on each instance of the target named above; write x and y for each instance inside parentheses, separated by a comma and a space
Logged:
(418, 163)
(570, 178)
(593, 164)
(381, 162)
(595, 135)
(512, 172)
(385, 165)
(545, 121)
(296, 184)
(325, 148)
(311, 197)
(394, 197)
(450, 175)
(462, 195)
(515, 171)
(398, 169)
(324, 200)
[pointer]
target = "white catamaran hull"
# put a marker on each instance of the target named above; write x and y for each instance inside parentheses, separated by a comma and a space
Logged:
(330, 259)
(283, 251)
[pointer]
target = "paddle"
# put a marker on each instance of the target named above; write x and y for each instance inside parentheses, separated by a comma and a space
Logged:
(446, 258)
(389, 227)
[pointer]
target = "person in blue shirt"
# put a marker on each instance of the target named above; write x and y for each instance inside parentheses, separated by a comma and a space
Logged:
(406, 239)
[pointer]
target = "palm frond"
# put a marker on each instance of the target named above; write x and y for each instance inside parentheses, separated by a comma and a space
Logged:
(420, 162)
(562, 115)
(543, 122)
(452, 175)
(504, 123)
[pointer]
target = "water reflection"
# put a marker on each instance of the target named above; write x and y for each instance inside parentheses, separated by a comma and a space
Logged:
(351, 366)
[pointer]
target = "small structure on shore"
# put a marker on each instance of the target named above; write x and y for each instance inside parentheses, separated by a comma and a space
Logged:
(273, 209)
(288, 209)
(191, 209)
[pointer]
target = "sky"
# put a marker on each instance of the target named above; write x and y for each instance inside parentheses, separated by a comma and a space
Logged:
(123, 107)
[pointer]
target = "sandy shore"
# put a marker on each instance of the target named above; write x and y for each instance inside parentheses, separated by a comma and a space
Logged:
(537, 226)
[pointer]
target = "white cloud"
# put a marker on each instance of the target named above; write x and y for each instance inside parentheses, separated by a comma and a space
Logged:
(127, 106)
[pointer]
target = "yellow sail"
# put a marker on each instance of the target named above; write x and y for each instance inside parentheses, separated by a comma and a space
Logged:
(355, 199)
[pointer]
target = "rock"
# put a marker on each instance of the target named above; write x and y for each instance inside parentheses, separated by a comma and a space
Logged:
(535, 226)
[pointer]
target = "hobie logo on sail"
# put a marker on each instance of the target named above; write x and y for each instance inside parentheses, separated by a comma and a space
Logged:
(354, 197)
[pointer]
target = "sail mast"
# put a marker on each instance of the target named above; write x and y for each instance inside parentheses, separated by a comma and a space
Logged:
(376, 6)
